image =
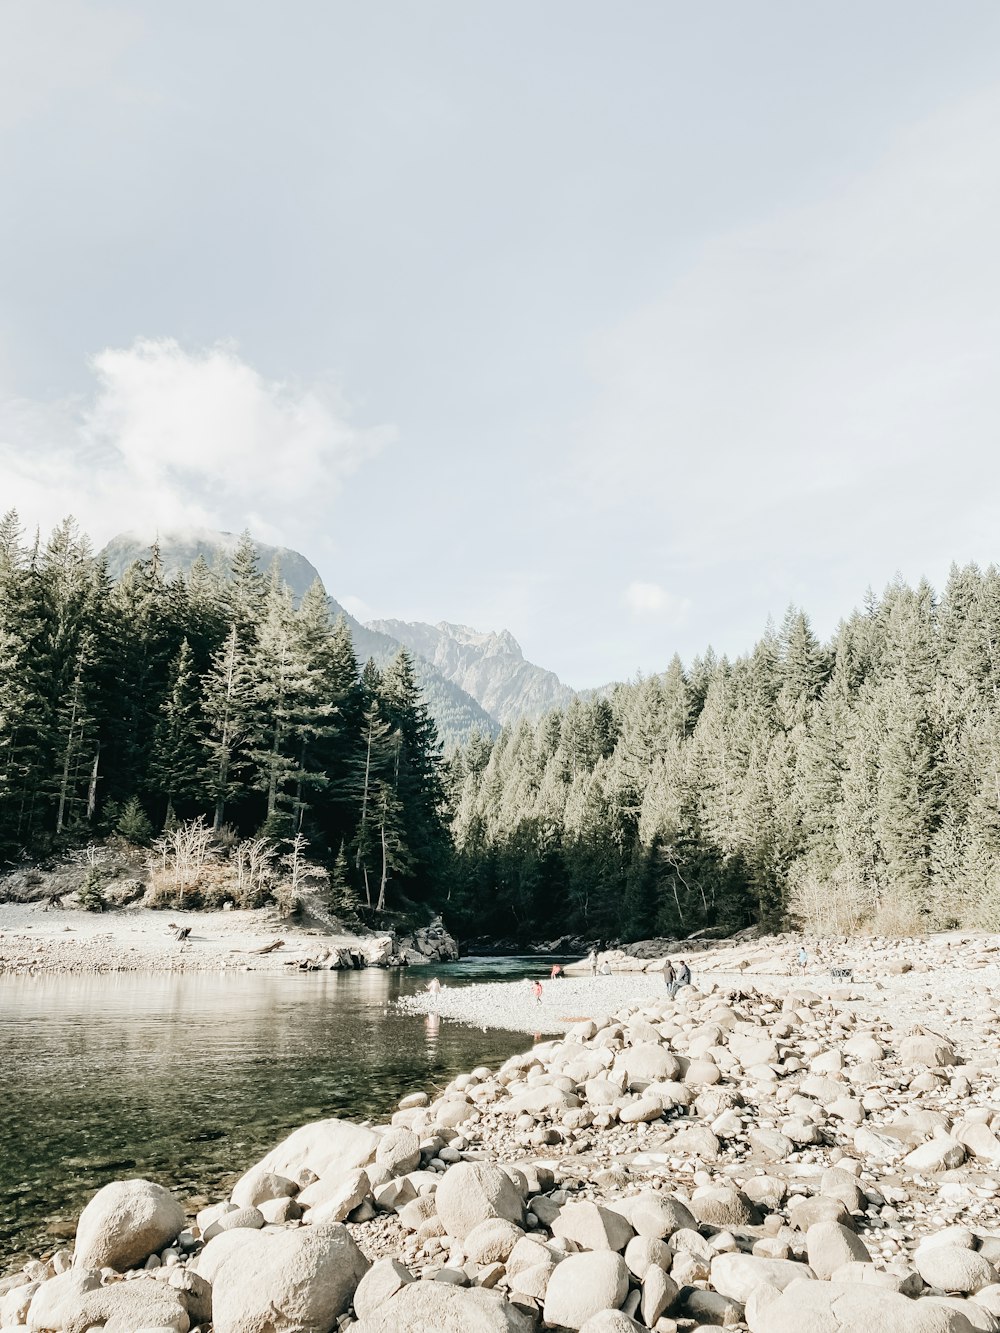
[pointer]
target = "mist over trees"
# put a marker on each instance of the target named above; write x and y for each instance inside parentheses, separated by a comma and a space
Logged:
(206, 697)
(849, 784)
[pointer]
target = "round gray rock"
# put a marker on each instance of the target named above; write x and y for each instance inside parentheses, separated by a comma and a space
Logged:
(474, 1192)
(124, 1223)
(292, 1282)
(583, 1285)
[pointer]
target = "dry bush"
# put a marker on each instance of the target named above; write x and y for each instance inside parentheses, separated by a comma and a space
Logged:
(897, 918)
(177, 861)
(286, 899)
(833, 906)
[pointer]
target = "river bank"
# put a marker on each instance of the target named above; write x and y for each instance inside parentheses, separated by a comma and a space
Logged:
(732, 1157)
(142, 939)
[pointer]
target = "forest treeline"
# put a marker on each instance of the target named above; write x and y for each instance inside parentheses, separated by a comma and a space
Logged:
(135, 705)
(847, 785)
(841, 785)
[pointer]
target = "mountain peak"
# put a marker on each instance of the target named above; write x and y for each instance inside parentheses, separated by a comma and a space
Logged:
(488, 664)
(494, 642)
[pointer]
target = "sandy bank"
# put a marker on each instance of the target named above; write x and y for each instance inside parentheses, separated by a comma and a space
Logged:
(138, 939)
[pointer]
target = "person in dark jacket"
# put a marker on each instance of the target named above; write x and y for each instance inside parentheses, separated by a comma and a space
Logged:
(670, 978)
(683, 974)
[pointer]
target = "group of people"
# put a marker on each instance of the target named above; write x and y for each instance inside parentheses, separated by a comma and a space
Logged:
(676, 977)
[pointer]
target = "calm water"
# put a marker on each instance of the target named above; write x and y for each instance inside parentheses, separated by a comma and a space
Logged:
(189, 1079)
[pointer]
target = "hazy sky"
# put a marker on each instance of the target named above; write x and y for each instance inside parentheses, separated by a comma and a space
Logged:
(620, 325)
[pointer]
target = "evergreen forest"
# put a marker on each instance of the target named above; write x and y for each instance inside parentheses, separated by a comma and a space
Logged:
(840, 786)
(140, 704)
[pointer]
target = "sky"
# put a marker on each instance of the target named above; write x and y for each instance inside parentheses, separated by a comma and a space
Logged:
(620, 326)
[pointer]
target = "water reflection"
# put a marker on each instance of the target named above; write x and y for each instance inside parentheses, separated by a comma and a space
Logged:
(188, 1078)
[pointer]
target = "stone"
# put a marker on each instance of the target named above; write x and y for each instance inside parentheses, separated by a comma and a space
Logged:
(288, 1282)
(971, 1310)
(474, 1192)
(611, 1321)
(531, 1282)
(251, 1218)
(804, 1212)
(830, 1245)
(398, 1151)
(421, 1307)
(592, 1227)
(124, 1223)
(64, 1288)
(882, 1148)
(258, 1186)
(937, 1154)
(583, 1285)
(15, 1303)
(770, 1144)
(380, 1284)
(644, 1064)
(654, 1215)
(643, 1252)
(737, 1275)
(219, 1250)
(952, 1268)
(659, 1292)
(492, 1241)
(711, 1307)
(721, 1206)
(124, 1307)
(927, 1050)
(334, 1197)
(324, 1147)
(834, 1307)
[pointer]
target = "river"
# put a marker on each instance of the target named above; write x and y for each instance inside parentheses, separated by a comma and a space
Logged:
(188, 1079)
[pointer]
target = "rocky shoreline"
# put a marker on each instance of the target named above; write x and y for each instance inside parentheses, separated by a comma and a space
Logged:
(138, 939)
(732, 1157)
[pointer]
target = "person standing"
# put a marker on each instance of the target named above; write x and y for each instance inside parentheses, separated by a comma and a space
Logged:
(536, 990)
(670, 979)
(592, 960)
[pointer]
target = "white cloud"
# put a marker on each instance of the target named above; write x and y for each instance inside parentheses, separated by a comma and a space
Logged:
(650, 600)
(178, 438)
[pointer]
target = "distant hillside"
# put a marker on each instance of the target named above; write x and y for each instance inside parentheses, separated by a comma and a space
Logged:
(455, 712)
(489, 666)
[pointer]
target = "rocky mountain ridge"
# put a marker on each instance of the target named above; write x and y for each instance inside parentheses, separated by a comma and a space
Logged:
(473, 680)
(489, 665)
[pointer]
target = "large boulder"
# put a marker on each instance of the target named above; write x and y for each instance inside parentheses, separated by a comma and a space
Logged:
(322, 1147)
(926, 1049)
(835, 1307)
(381, 1282)
(259, 1186)
(830, 1245)
(474, 1192)
(124, 1223)
(64, 1288)
(737, 1275)
(439, 1307)
(124, 1307)
(288, 1282)
(953, 1268)
(583, 1285)
(592, 1227)
(398, 1151)
(645, 1064)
